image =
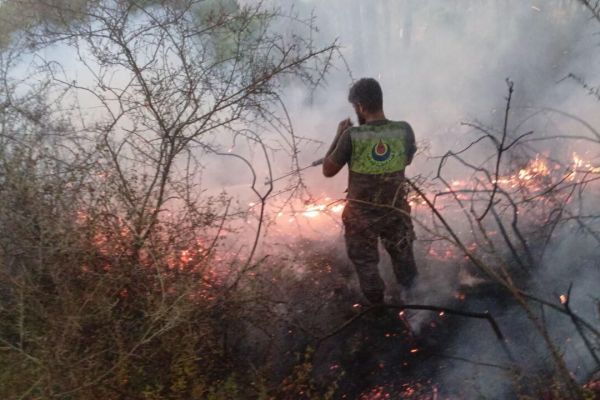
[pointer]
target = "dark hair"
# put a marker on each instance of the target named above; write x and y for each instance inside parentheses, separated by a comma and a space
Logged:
(367, 92)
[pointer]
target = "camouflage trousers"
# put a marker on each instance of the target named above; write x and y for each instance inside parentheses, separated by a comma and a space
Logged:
(364, 226)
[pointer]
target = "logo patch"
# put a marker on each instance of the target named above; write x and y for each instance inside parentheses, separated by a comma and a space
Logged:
(381, 151)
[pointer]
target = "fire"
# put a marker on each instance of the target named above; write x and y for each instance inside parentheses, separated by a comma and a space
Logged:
(531, 179)
(535, 169)
(537, 174)
(580, 165)
(314, 210)
(338, 208)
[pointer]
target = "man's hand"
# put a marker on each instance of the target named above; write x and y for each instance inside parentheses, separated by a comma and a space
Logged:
(330, 168)
(343, 125)
(317, 162)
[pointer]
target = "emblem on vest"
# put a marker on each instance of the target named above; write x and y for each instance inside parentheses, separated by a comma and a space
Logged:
(381, 151)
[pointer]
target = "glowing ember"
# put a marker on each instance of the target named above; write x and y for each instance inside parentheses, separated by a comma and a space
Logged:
(376, 393)
(186, 257)
(460, 296)
(563, 299)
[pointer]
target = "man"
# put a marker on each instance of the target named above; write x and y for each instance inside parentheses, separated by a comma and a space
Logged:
(377, 152)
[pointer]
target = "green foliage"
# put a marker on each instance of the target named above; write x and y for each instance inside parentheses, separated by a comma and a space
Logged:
(301, 384)
(234, 27)
(19, 15)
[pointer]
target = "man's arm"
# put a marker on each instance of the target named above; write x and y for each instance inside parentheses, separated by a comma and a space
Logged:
(340, 150)
(330, 168)
(411, 147)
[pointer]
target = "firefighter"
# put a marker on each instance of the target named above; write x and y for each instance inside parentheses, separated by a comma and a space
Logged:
(377, 151)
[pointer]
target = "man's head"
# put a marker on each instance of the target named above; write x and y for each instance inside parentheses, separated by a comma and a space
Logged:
(367, 98)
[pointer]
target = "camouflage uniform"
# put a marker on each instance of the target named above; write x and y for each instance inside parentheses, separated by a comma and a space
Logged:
(377, 154)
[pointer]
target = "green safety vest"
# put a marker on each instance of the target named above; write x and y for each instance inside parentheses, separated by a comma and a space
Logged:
(379, 149)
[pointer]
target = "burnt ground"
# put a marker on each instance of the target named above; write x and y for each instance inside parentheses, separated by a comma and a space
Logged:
(381, 354)
(385, 354)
